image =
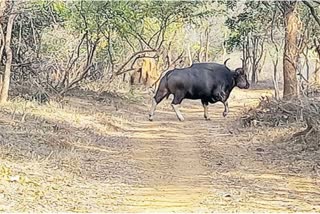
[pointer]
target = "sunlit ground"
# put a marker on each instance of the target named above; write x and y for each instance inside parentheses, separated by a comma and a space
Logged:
(88, 156)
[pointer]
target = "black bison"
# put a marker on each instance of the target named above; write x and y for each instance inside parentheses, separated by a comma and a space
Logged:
(209, 82)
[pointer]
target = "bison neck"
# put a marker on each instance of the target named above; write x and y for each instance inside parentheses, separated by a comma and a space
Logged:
(224, 93)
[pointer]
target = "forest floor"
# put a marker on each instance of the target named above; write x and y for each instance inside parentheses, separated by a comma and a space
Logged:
(103, 155)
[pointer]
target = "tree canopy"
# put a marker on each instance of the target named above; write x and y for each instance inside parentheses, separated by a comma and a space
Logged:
(63, 43)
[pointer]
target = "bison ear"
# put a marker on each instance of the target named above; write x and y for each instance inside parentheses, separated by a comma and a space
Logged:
(240, 71)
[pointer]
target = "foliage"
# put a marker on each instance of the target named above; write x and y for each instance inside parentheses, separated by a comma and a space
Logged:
(255, 20)
(109, 37)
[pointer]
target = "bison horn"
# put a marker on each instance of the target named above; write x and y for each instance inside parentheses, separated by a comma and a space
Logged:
(225, 62)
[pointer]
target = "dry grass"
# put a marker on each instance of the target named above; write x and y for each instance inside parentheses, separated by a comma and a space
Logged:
(96, 153)
(298, 113)
(43, 148)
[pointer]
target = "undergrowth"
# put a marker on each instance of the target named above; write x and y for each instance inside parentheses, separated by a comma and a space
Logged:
(303, 112)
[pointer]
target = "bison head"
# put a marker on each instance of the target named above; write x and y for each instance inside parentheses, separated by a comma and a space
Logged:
(241, 79)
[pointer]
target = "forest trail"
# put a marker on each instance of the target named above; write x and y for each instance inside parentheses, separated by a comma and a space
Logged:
(91, 156)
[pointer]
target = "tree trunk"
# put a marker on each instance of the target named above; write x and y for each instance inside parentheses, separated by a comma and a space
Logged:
(200, 49)
(8, 50)
(275, 79)
(308, 69)
(224, 46)
(2, 7)
(2, 39)
(207, 45)
(307, 64)
(246, 55)
(254, 41)
(317, 72)
(290, 51)
(189, 55)
(317, 66)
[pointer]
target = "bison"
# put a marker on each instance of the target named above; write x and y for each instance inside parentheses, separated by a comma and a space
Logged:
(209, 82)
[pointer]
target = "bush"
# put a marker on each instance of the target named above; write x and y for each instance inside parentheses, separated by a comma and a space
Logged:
(301, 112)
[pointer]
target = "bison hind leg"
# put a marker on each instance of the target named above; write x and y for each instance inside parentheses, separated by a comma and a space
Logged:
(178, 97)
(161, 94)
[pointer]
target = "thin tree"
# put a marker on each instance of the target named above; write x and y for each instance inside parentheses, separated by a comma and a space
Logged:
(8, 51)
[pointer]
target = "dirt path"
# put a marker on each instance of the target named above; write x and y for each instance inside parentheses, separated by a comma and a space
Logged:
(116, 160)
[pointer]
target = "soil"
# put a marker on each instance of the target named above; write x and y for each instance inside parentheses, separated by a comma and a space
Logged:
(99, 156)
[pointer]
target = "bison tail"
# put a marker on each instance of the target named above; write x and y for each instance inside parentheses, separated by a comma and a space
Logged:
(162, 90)
(155, 84)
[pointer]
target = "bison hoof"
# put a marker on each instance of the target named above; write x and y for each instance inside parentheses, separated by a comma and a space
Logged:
(207, 118)
(225, 114)
(181, 119)
(150, 118)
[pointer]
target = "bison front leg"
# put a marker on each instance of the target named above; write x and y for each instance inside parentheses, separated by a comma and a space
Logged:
(205, 109)
(226, 108)
(223, 97)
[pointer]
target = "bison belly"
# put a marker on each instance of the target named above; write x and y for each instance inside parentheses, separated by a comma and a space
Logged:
(190, 85)
(199, 93)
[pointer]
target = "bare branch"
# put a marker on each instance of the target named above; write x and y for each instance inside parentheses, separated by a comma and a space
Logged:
(129, 43)
(271, 32)
(176, 60)
(82, 76)
(77, 50)
(135, 55)
(154, 35)
(110, 52)
(163, 29)
(136, 34)
(261, 52)
(2, 41)
(70, 66)
(313, 12)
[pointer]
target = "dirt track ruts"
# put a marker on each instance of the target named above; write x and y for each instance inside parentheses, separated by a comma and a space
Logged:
(167, 165)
